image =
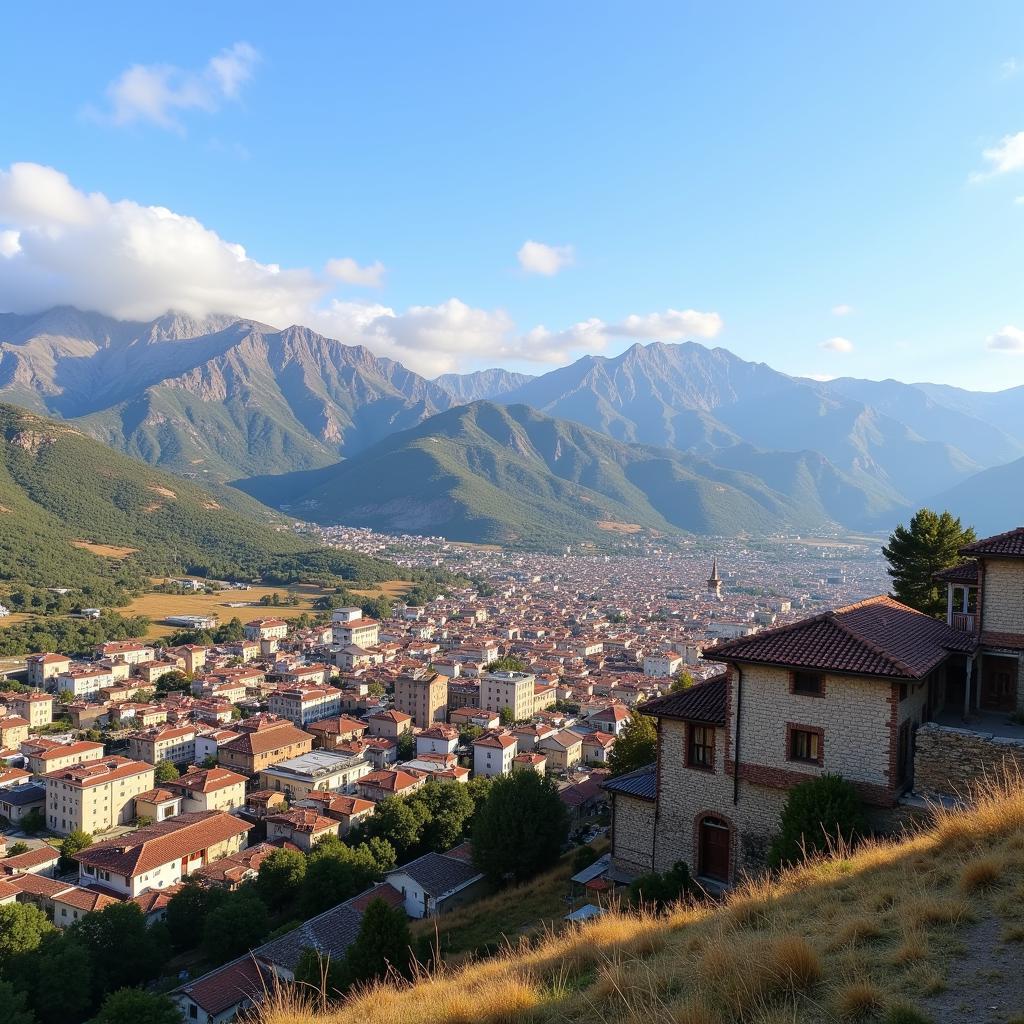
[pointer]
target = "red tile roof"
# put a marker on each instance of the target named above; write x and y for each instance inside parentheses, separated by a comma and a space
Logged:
(163, 842)
(1006, 545)
(877, 637)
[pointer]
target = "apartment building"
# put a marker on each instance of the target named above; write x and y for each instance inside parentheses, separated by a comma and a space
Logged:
(493, 754)
(563, 750)
(329, 733)
(174, 743)
(423, 695)
(36, 708)
(43, 668)
(95, 795)
(304, 704)
(85, 680)
(162, 854)
(46, 755)
(318, 771)
(210, 789)
(13, 732)
(128, 651)
(262, 741)
(359, 632)
(511, 690)
(266, 629)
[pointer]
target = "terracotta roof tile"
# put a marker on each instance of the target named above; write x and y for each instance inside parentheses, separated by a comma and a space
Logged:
(877, 637)
(1008, 545)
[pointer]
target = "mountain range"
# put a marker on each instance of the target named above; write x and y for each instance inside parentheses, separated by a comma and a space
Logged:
(223, 399)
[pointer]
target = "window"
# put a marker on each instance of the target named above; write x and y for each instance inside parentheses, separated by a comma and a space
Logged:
(805, 745)
(810, 684)
(701, 748)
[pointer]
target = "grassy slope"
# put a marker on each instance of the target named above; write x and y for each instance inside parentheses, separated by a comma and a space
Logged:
(851, 937)
(489, 473)
(57, 486)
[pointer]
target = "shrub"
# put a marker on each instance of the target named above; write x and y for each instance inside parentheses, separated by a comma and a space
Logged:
(818, 814)
(662, 889)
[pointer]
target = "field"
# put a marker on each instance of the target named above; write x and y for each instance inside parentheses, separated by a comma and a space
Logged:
(14, 619)
(158, 606)
(392, 589)
(104, 550)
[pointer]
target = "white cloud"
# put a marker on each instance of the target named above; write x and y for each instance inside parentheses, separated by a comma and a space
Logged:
(347, 270)
(843, 345)
(538, 258)
(842, 309)
(1010, 68)
(1003, 158)
(1009, 339)
(59, 245)
(671, 325)
(822, 378)
(158, 92)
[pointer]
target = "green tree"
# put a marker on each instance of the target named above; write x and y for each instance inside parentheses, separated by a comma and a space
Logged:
(22, 928)
(236, 926)
(19, 847)
(14, 1005)
(520, 828)
(141, 950)
(506, 716)
(662, 889)
(62, 980)
(914, 555)
(816, 814)
(73, 842)
(635, 746)
(681, 681)
(135, 1006)
(34, 822)
(280, 879)
(508, 663)
(382, 945)
(450, 808)
(166, 771)
(172, 681)
(336, 872)
(401, 822)
(406, 747)
(187, 910)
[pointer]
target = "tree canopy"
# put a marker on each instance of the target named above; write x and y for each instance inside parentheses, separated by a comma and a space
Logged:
(520, 828)
(636, 745)
(915, 554)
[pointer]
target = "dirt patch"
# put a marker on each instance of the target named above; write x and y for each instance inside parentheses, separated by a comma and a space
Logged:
(106, 550)
(211, 505)
(984, 984)
(4, 509)
(613, 527)
(164, 492)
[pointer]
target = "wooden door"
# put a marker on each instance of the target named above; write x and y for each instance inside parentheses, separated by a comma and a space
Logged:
(714, 849)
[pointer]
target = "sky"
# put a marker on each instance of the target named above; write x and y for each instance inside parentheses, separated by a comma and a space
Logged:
(836, 190)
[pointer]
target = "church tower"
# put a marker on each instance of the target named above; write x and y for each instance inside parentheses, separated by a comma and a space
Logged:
(714, 580)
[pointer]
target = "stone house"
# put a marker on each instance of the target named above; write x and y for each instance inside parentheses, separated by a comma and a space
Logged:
(842, 692)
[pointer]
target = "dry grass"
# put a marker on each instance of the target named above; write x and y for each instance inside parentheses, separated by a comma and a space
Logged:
(105, 550)
(858, 936)
(158, 605)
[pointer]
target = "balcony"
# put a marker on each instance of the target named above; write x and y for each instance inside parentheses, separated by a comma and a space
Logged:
(963, 621)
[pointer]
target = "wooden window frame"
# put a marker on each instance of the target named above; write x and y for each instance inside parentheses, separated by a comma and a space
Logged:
(791, 729)
(690, 761)
(820, 692)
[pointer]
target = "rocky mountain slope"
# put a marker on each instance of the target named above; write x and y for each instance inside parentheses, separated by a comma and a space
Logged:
(511, 475)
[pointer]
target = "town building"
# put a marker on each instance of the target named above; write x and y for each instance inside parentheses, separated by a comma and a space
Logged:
(493, 754)
(209, 789)
(304, 704)
(423, 695)
(35, 707)
(316, 771)
(513, 691)
(262, 741)
(96, 795)
(174, 743)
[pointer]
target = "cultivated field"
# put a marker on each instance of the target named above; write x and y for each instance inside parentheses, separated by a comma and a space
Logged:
(104, 550)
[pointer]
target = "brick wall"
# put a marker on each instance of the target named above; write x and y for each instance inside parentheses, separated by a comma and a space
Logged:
(948, 761)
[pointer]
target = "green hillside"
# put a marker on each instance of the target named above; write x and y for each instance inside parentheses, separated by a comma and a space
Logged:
(59, 487)
(510, 475)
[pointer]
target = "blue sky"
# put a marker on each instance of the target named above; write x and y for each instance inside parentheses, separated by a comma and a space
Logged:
(763, 164)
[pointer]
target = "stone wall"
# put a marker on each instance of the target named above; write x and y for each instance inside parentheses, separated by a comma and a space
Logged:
(632, 834)
(949, 761)
(1003, 596)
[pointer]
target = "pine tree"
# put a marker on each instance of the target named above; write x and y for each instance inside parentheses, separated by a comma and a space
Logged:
(914, 555)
